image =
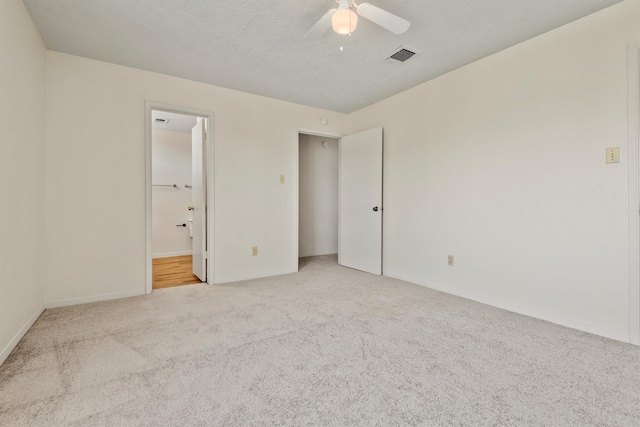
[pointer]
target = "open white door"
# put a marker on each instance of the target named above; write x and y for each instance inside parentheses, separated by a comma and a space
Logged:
(199, 186)
(360, 244)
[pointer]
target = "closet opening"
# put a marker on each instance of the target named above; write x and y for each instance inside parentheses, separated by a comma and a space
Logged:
(317, 198)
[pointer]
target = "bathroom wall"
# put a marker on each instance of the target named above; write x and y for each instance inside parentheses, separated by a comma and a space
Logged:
(171, 160)
(318, 185)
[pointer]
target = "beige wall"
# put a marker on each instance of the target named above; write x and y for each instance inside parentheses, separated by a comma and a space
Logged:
(502, 164)
(318, 214)
(96, 176)
(22, 136)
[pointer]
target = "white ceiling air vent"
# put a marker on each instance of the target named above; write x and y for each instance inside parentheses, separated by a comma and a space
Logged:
(401, 55)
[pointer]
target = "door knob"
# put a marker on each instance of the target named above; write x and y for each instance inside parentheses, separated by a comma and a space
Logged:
(190, 208)
(375, 209)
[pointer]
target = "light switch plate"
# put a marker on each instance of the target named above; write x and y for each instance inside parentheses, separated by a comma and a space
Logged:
(281, 179)
(613, 155)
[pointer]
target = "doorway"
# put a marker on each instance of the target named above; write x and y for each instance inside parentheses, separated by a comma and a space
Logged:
(359, 198)
(179, 196)
(172, 199)
(318, 197)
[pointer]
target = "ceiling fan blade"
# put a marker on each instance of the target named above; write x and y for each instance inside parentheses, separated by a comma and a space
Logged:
(321, 26)
(385, 19)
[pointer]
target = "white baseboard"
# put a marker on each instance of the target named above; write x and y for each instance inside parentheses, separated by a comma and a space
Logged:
(323, 254)
(252, 276)
(95, 298)
(516, 308)
(6, 351)
(171, 254)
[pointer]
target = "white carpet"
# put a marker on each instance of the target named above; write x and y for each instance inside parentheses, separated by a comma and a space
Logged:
(328, 346)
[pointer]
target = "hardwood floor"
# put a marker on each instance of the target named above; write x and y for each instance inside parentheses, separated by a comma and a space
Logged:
(174, 271)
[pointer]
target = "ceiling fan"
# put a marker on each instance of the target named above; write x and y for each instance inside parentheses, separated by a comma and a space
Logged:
(344, 20)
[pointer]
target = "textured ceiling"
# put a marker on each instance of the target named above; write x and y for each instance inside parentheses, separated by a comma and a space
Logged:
(257, 46)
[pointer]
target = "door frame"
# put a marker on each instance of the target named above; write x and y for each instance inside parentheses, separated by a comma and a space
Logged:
(634, 193)
(296, 234)
(210, 170)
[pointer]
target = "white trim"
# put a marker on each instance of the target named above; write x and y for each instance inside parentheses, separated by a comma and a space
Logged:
(296, 179)
(320, 133)
(171, 254)
(505, 305)
(339, 201)
(148, 263)
(210, 207)
(95, 298)
(634, 202)
(254, 276)
(211, 190)
(6, 351)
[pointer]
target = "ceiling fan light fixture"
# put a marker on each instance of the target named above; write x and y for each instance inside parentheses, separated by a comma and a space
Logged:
(344, 21)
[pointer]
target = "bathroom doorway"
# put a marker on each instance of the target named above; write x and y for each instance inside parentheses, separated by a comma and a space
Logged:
(179, 189)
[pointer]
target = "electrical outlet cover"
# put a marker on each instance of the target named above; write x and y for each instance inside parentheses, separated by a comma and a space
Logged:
(613, 155)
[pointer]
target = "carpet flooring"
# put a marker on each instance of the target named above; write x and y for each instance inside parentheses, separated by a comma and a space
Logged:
(328, 346)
